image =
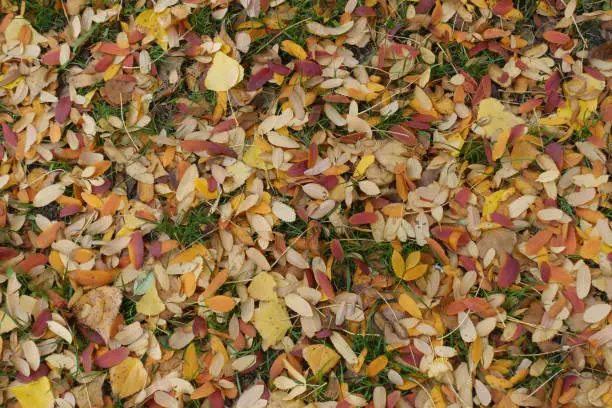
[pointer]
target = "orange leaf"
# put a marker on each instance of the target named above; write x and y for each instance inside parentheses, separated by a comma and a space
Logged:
(189, 283)
(535, 243)
(556, 37)
(376, 365)
(216, 283)
(47, 237)
(94, 277)
(220, 304)
(500, 144)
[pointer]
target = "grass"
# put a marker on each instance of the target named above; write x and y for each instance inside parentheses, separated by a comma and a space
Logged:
(44, 16)
(187, 230)
(565, 206)
(473, 151)
(202, 22)
(457, 57)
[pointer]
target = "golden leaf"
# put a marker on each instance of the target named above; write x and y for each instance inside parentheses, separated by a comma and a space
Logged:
(409, 305)
(128, 377)
(190, 363)
(415, 273)
(262, 287)
(294, 49)
(365, 162)
(224, 73)
(150, 304)
(320, 358)
(35, 394)
(271, 321)
(398, 264)
(149, 20)
(494, 117)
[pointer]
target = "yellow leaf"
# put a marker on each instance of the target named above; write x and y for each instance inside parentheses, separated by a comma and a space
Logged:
(409, 305)
(190, 363)
(13, 84)
(271, 321)
(294, 49)
(150, 304)
(498, 382)
(224, 73)
(111, 71)
(202, 186)
(397, 262)
(149, 20)
(252, 155)
(494, 117)
(492, 201)
(35, 394)
(415, 273)
(262, 287)
(6, 323)
(437, 397)
(365, 162)
(128, 377)
(476, 351)
(12, 31)
(413, 259)
(320, 358)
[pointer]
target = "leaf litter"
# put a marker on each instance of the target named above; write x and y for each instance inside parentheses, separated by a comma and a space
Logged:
(305, 204)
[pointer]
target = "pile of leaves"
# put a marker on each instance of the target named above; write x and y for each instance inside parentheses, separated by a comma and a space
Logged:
(305, 203)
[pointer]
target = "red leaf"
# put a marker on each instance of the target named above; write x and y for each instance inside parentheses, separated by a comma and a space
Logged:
(503, 7)
(7, 253)
(571, 294)
(462, 197)
(32, 261)
(70, 209)
(456, 307)
(51, 57)
(200, 327)
(63, 109)
(113, 49)
(403, 135)
(424, 6)
(508, 273)
(363, 218)
(325, 284)
(545, 271)
(216, 400)
(112, 358)
(42, 371)
(337, 250)
(307, 68)
(9, 135)
(40, 324)
(476, 304)
(530, 105)
(501, 220)
(363, 11)
(278, 68)
(393, 398)
(556, 37)
(214, 149)
(258, 79)
(87, 358)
